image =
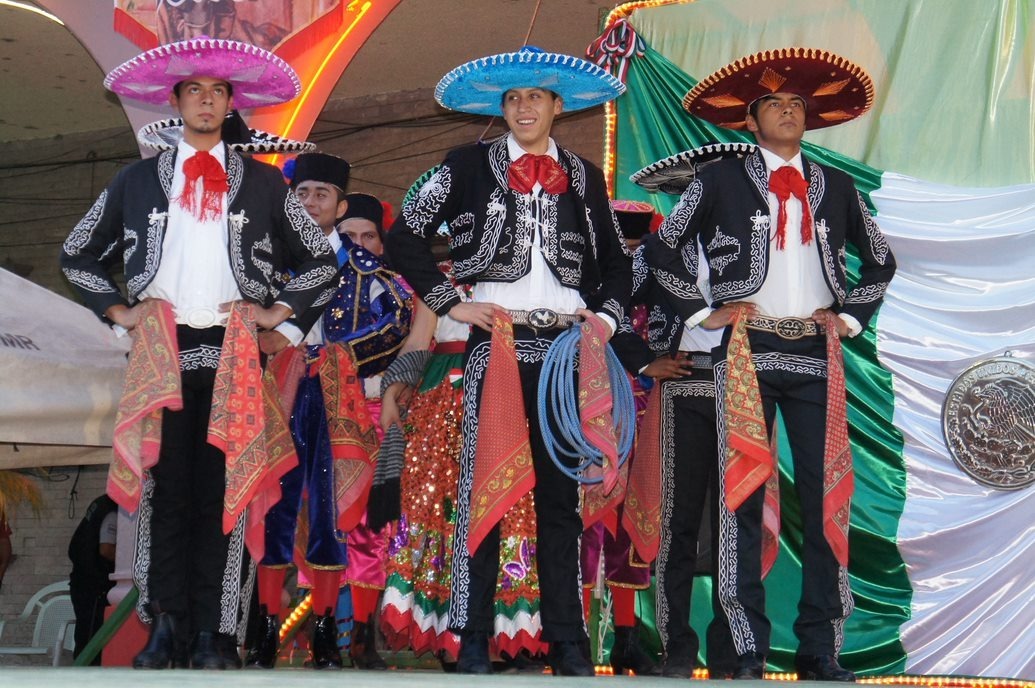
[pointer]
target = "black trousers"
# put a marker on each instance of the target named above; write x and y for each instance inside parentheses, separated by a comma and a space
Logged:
(559, 523)
(188, 548)
(690, 488)
(89, 604)
(792, 378)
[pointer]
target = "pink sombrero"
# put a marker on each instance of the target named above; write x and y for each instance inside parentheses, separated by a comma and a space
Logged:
(258, 76)
(835, 90)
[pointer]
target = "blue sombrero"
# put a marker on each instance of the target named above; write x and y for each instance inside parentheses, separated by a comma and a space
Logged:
(478, 86)
(673, 174)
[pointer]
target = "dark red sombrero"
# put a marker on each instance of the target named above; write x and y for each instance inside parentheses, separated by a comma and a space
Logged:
(835, 90)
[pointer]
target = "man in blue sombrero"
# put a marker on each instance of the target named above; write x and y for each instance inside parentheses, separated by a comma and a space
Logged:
(200, 230)
(532, 230)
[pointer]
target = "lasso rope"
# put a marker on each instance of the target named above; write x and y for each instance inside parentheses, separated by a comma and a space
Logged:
(557, 388)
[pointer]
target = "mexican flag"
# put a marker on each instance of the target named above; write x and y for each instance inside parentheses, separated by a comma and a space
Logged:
(942, 567)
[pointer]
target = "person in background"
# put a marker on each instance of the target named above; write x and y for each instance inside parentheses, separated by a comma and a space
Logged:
(319, 182)
(774, 229)
(92, 552)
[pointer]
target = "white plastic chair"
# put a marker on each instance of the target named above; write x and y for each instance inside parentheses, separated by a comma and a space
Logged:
(54, 620)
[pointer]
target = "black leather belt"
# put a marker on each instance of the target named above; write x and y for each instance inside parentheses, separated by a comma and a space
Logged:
(785, 328)
(544, 319)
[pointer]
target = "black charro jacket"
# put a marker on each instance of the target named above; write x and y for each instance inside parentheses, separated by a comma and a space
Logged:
(268, 231)
(489, 242)
(726, 208)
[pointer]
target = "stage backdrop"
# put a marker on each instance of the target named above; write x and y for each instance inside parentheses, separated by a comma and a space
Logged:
(941, 566)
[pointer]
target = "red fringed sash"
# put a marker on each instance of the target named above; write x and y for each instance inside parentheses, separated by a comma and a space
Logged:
(249, 426)
(354, 443)
(152, 384)
(752, 458)
(641, 515)
(503, 470)
(838, 476)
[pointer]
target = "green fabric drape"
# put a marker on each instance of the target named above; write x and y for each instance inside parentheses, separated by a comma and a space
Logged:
(651, 124)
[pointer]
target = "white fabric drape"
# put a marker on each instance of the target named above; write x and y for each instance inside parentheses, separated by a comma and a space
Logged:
(964, 292)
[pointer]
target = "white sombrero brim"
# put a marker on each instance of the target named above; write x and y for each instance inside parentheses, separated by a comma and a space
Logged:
(478, 86)
(673, 174)
(166, 134)
(258, 76)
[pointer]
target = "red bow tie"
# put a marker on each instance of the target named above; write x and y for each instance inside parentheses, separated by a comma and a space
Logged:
(784, 183)
(203, 166)
(529, 169)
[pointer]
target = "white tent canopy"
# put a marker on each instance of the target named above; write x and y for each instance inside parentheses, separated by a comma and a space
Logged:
(61, 373)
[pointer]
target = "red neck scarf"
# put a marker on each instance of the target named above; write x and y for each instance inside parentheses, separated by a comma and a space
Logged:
(202, 165)
(529, 169)
(784, 183)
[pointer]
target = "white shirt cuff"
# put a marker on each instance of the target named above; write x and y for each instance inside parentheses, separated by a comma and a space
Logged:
(610, 322)
(854, 327)
(293, 334)
(698, 317)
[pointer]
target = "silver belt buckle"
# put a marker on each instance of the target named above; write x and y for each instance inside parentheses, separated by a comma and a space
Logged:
(542, 319)
(200, 318)
(790, 328)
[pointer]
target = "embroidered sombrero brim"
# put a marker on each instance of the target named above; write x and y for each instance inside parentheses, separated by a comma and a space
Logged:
(673, 174)
(166, 134)
(478, 86)
(835, 90)
(258, 76)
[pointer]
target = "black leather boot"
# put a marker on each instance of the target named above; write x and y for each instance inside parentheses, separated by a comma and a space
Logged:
(363, 650)
(627, 655)
(204, 652)
(227, 645)
(473, 657)
(324, 643)
(821, 668)
(568, 658)
(263, 655)
(162, 648)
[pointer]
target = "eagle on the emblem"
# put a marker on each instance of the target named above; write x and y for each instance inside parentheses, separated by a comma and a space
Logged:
(1006, 409)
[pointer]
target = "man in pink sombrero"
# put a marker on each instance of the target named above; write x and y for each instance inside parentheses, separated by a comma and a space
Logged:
(774, 228)
(532, 230)
(200, 440)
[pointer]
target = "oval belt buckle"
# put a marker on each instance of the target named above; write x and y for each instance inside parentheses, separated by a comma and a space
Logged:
(790, 328)
(200, 318)
(542, 318)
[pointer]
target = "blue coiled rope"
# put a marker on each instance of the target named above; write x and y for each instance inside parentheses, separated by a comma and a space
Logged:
(558, 390)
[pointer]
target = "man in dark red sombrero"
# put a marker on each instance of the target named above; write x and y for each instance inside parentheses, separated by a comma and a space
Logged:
(532, 230)
(202, 233)
(774, 228)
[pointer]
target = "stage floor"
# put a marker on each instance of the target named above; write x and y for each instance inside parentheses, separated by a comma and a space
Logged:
(117, 677)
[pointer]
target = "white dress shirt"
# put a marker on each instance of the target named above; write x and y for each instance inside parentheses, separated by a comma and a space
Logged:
(794, 284)
(539, 288)
(194, 272)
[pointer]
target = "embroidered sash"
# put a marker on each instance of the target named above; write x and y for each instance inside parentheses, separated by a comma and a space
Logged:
(152, 384)
(641, 515)
(503, 470)
(353, 435)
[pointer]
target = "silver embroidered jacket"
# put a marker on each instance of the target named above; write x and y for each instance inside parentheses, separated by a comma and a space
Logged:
(268, 232)
(727, 208)
(490, 237)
